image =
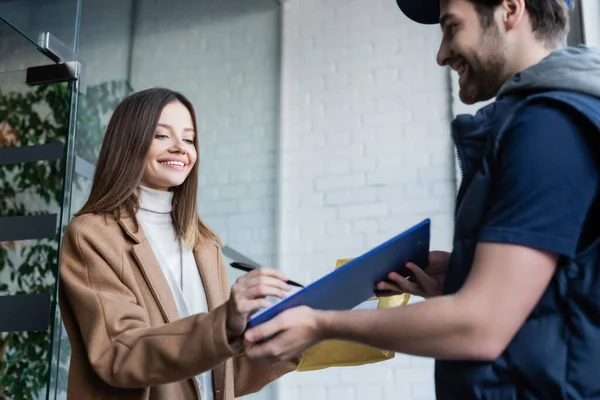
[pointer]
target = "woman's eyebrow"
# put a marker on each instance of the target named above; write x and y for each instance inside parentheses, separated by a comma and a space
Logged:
(169, 127)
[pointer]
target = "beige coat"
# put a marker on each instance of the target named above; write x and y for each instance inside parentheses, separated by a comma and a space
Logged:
(127, 339)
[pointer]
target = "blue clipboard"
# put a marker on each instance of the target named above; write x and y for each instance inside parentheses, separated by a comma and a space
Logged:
(355, 282)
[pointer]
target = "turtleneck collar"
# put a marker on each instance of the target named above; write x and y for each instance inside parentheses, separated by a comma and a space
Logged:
(156, 201)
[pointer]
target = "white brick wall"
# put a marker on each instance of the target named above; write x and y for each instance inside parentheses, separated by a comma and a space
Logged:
(365, 153)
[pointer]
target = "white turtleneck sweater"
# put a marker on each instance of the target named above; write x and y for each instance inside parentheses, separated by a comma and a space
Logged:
(177, 262)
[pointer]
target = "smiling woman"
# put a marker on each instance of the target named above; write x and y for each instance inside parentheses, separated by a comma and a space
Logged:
(143, 285)
(172, 154)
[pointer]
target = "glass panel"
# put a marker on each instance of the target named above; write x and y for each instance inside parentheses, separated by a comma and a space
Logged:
(94, 109)
(33, 17)
(61, 352)
(34, 123)
(59, 362)
(17, 52)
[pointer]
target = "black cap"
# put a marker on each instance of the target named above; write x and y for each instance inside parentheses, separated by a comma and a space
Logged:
(428, 11)
(421, 11)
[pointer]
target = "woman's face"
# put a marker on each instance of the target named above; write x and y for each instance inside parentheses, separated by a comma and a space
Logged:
(172, 154)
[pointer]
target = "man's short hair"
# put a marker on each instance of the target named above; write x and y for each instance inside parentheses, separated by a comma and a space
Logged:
(549, 18)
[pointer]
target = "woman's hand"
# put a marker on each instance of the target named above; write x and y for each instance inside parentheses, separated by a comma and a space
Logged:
(248, 295)
(425, 284)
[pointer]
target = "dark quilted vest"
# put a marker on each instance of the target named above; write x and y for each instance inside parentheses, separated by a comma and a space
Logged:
(556, 353)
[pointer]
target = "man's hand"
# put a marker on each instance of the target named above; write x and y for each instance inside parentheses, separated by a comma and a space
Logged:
(248, 295)
(289, 334)
(426, 283)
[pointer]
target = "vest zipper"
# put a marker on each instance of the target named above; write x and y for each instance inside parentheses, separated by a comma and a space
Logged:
(461, 167)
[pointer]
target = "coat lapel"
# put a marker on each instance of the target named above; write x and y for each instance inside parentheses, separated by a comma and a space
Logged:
(209, 266)
(207, 260)
(151, 270)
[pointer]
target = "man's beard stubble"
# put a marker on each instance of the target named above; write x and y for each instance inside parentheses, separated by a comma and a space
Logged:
(485, 68)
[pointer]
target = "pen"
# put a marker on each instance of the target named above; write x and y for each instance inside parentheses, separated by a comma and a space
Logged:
(248, 268)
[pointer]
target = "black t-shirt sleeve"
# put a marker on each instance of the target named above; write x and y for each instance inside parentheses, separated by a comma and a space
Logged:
(544, 182)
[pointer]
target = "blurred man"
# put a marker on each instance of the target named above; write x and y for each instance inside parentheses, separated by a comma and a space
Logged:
(514, 311)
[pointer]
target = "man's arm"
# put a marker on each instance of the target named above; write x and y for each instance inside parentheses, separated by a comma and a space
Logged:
(476, 323)
(545, 181)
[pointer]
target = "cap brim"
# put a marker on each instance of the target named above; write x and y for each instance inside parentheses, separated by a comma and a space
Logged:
(421, 11)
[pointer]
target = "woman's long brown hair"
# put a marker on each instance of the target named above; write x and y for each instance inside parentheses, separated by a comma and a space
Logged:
(122, 161)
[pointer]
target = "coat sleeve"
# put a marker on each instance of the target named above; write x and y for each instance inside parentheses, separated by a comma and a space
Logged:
(249, 376)
(122, 347)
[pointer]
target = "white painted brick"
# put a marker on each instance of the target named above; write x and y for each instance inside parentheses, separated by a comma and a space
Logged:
(253, 205)
(400, 361)
(232, 191)
(418, 158)
(208, 194)
(442, 189)
(288, 392)
(220, 207)
(314, 378)
(374, 374)
(338, 228)
(398, 392)
(261, 189)
(339, 242)
(313, 393)
(350, 196)
(414, 374)
(307, 216)
(245, 221)
(325, 124)
(339, 182)
(418, 191)
(378, 149)
(363, 164)
(428, 205)
(390, 176)
(341, 392)
(398, 223)
(363, 211)
(217, 178)
(253, 175)
(312, 199)
(364, 226)
(312, 230)
(421, 361)
(394, 163)
(337, 166)
(384, 75)
(427, 174)
(424, 391)
(336, 81)
(390, 194)
(370, 392)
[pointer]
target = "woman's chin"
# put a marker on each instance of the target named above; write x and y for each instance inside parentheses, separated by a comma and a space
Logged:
(163, 185)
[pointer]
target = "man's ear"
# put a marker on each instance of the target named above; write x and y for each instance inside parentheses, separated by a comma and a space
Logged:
(512, 12)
